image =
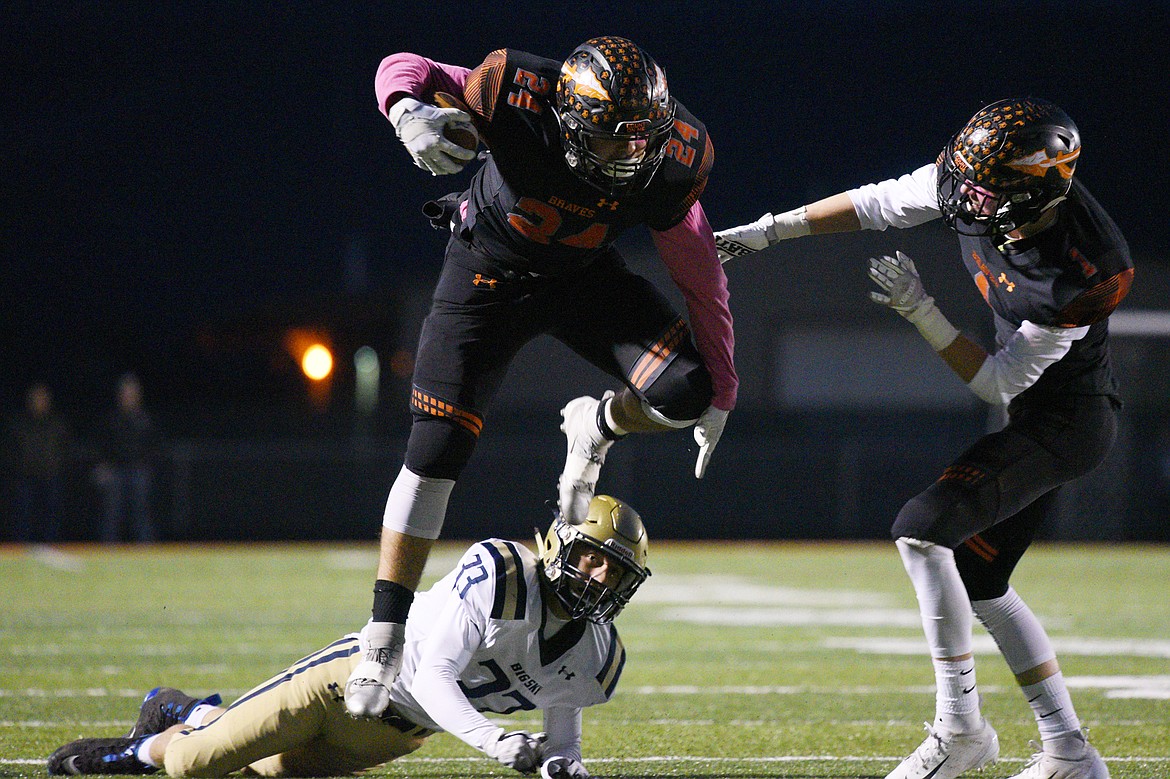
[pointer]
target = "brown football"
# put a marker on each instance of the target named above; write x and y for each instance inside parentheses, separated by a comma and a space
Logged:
(463, 134)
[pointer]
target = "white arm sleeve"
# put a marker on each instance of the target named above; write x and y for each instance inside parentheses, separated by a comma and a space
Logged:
(906, 201)
(446, 651)
(1025, 356)
(563, 727)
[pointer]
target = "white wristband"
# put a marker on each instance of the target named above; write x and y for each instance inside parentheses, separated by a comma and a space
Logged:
(790, 224)
(935, 327)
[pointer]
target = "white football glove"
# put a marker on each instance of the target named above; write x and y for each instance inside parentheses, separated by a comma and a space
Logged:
(563, 768)
(902, 291)
(708, 430)
(744, 239)
(420, 128)
(901, 285)
(517, 749)
(766, 231)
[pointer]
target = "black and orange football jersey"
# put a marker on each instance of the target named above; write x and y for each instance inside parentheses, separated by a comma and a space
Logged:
(526, 207)
(1072, 274)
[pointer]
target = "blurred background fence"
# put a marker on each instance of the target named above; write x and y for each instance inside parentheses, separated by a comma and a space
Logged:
(844, 414)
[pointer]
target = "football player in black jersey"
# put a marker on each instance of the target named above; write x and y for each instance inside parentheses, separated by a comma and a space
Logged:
(577, 152)
(1052, 266)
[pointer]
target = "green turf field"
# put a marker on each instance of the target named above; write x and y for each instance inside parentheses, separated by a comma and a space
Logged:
(784, 660)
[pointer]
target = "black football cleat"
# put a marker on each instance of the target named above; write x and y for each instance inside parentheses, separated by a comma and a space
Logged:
(166, 706)
(98, 756)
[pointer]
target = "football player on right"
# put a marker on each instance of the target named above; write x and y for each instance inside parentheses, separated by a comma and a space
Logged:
(1052, 266)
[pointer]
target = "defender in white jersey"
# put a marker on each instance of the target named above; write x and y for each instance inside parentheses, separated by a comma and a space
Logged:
(505, 631)
(1052, 266)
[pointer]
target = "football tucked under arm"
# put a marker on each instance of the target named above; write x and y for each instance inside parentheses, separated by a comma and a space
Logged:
(423, 129)
(460, 133)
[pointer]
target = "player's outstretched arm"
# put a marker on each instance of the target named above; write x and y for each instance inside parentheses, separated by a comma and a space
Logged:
(834, 214)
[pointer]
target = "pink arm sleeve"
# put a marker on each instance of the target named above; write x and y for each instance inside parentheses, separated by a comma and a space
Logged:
(417, 76)
(688, 251)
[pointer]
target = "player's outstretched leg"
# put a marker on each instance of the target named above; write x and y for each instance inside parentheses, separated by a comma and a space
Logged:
(367, 691)
(98, 756)
(587, 447)
(946, 755)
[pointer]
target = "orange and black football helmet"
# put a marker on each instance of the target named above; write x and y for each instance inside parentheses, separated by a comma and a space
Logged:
(1022, 152)
(610, 90)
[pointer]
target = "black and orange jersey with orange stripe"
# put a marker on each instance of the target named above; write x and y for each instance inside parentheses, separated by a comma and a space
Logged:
(1073, 274)
(526, 207)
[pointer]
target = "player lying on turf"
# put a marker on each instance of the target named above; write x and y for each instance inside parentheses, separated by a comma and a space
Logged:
(504, 631)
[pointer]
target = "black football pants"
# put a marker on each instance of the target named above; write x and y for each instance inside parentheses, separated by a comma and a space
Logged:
(990, 502)
(483, 313)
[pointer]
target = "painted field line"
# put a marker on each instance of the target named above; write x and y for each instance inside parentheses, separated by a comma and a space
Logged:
(658, 722)
(694, 759)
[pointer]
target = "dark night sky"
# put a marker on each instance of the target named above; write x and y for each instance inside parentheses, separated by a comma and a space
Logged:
(168, 162)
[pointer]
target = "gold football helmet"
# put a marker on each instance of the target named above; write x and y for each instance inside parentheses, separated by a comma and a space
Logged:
(612, 527)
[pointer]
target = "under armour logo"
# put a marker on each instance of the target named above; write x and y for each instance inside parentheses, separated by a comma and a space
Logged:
(565, 672)
(335, 691)
(1003, 279)
(482, 279)
(602, 203)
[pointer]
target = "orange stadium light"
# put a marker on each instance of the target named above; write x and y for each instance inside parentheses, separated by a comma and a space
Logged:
(317, 362)
(311, 351)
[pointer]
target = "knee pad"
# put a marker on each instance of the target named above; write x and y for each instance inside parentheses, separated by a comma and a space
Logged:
(680, 395)
(438, 449)
(945, 514)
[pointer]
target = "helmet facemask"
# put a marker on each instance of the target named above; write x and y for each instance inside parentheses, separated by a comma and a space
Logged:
(612, 96)
(602, 532)
(1011, 163)
(604, 172)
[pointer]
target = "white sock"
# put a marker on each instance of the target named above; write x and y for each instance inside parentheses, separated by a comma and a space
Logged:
(956, 700)
(1025, 646)
(144, 751)
(1060, 728)
(946, 621)
(195, 718)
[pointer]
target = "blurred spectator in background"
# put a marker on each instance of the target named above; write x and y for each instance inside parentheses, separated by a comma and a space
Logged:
(130, 446)
(38, 452)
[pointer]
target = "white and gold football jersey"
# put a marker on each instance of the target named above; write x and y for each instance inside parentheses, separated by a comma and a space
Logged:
(481, 640)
